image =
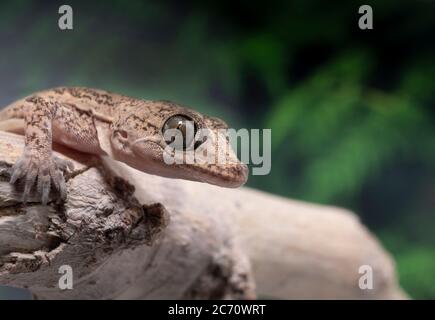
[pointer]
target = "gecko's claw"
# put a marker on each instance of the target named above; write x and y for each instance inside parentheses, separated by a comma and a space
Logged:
(63, 164)
(48, 171)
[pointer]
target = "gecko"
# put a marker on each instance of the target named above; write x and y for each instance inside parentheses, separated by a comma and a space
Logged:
(103, 123)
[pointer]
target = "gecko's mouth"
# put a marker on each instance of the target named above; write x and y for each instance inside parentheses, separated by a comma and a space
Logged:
(229, 176)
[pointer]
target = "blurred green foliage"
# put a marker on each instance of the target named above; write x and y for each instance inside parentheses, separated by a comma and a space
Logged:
(352, 112)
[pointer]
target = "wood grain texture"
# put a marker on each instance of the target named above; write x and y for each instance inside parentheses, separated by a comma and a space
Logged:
(128, 234)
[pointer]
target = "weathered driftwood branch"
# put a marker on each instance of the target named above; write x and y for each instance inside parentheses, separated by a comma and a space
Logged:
(116, 246)
(305, 251)
(120, 244)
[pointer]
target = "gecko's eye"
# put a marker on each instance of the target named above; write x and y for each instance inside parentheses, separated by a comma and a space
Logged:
(179, 132)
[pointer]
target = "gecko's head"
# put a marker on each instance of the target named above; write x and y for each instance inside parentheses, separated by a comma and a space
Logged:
(163, 138)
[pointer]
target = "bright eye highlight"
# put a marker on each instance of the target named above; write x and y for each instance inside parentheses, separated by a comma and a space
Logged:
(179, 132)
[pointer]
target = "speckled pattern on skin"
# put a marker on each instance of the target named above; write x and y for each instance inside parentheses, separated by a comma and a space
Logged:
(67, 115)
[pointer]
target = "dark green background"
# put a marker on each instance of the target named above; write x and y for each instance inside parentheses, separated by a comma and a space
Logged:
(351, 111)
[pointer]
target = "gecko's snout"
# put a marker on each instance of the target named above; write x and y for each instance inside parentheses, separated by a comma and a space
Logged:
(229, 176)
(150, 158)
(233, 176)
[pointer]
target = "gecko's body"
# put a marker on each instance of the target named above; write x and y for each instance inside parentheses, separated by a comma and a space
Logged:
(102, 123)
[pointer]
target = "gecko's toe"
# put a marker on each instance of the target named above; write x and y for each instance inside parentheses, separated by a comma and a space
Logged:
(57, 176)
(46, 172)
(59, 182)
(18, 170)
(44, 184)
(31, 176)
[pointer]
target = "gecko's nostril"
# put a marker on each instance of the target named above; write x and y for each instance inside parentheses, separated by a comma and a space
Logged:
(123, 134)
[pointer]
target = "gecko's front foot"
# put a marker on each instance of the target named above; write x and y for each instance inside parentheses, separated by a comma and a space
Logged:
(43, 171)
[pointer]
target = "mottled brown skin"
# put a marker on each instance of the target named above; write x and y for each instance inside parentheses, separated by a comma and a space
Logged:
(69, 115)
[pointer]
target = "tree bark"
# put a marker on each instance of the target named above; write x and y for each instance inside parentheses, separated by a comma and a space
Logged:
(130, 235)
